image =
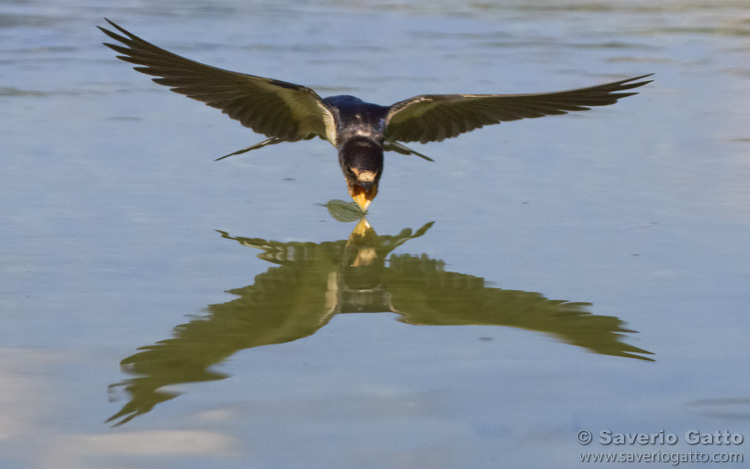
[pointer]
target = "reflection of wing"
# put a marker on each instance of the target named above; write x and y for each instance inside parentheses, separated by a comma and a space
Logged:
(312, 282)
(425, 294)
(284, 304)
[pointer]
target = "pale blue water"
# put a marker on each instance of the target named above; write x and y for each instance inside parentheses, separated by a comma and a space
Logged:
(110, 202)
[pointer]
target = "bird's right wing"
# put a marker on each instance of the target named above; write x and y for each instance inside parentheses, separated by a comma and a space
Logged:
(277, 109)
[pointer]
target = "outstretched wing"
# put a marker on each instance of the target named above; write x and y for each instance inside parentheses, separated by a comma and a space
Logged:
(423, 293)
(274, 108)
(432, 118)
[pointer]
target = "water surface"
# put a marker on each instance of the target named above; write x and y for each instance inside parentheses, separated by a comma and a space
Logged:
(584, 272)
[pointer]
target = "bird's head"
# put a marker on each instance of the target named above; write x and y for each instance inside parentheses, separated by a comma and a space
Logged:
(361, 160)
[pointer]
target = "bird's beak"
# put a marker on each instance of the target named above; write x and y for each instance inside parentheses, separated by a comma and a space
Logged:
(363, 197)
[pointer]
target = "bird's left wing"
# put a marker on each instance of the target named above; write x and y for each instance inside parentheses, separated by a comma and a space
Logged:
(277, 109)
(432, 118)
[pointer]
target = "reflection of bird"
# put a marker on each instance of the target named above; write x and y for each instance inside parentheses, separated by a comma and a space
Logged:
(311, 282)
(361, 131)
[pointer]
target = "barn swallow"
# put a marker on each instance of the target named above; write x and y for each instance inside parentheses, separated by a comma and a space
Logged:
(361, 131)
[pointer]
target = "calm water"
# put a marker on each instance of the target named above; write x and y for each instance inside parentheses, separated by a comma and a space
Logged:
(589, 272)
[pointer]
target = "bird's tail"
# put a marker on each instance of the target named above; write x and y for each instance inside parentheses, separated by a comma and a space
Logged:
(270, 141)
(403, 149)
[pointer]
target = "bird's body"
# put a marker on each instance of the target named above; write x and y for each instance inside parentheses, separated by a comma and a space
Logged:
(360, 132)
(356, 118)
(286, 112)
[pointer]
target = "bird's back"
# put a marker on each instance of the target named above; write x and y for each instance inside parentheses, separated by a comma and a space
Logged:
(357, 118)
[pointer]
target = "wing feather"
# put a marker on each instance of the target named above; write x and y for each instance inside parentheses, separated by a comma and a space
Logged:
(274, 108)
(432, 118)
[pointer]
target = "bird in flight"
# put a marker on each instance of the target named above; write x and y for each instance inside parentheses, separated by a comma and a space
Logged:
(286, 112)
